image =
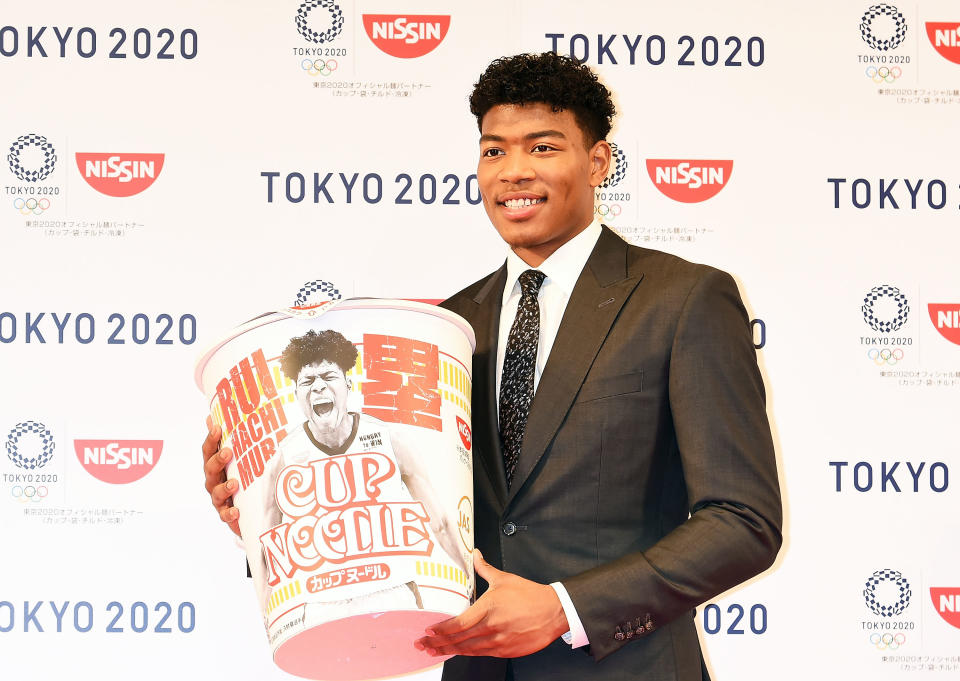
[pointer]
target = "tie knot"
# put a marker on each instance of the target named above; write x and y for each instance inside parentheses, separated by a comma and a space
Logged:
(530, 282)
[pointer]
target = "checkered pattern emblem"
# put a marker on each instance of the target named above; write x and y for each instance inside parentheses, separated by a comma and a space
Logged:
(49, 158)
(619, 168)
(30, 462)
(888, 609)
(885, 325)
(316, 293)
(336, 16)
(866, 27)
(519, 365)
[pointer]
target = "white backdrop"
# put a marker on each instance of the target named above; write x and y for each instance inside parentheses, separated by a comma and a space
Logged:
(840, 180)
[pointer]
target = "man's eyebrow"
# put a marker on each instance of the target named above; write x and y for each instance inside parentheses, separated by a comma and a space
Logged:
(529, 136)
(544, 133)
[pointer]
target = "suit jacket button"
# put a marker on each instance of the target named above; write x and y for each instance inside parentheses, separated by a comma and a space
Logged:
(509, 528)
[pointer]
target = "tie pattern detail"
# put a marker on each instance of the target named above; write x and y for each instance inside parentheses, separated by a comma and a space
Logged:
(519, 364)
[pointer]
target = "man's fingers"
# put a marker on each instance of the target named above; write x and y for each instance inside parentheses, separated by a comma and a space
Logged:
(469, 624)
(222, 494)
(229, 514)
(212, 442)
(484, 569)
(479, 645)
(215, 466)
(220, 489)
(465, 620)
(440, 642)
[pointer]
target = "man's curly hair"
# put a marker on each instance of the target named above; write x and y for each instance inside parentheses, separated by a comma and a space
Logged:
(314, 348)
(561, 82)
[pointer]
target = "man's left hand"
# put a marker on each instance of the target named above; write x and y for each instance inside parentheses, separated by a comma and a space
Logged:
(515, 617)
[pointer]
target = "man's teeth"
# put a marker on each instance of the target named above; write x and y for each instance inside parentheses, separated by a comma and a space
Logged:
(521, 203)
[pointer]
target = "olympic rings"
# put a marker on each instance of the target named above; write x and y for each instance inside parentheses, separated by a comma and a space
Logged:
(883, 74)
(885, 356)
(29, 493)
(325, 68)
(887, 641)
(31, 205)
(605, 211)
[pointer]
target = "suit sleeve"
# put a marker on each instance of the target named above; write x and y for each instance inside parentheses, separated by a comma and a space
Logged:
(717, 404)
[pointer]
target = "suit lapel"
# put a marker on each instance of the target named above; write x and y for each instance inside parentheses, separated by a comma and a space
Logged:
(486, 325)
(596, 300)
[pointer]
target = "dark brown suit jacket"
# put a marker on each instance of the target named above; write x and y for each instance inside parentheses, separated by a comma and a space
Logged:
(647, 482)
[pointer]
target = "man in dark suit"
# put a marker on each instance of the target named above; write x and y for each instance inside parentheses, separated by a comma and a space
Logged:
(623, 465)
(645, 482)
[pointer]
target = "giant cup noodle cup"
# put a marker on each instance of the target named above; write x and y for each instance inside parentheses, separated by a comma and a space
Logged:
(350, 428)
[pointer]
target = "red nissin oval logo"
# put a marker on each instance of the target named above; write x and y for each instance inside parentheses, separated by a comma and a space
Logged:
(945, 38)
(946, 601)
(406, 35)
(118, 461)
(465, 435)
(119, 174)
(689, 180)
(946, 318)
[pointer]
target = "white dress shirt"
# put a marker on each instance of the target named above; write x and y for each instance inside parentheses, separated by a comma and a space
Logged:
(562, 269)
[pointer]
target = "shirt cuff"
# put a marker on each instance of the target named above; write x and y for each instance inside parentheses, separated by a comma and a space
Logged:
(577, 636)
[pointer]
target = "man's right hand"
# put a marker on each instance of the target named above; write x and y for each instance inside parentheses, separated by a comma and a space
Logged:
(214, 468)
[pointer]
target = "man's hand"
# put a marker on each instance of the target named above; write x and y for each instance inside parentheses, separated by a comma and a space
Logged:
(515, 617)
(214, 468)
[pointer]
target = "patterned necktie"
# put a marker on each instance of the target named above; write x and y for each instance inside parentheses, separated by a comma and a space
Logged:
(519, 364)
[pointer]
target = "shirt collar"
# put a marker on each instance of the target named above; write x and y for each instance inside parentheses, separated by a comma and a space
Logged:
(562, 268)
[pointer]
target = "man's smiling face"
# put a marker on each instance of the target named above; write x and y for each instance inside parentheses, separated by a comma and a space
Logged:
(322, 395)
(537, 176)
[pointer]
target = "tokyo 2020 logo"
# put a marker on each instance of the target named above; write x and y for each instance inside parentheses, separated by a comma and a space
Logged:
(868, 29)
(37, 460)
(33, 173)
(619, 170)
(336, 20)
(887, 593)
(890, 323)
(316, 293)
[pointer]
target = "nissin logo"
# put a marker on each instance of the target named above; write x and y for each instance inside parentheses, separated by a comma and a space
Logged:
(465, 435)
(946, 318)
(406, 35)
(946, 601)
(945, 38)
(119, 174)
(689, 180)
(118, 461)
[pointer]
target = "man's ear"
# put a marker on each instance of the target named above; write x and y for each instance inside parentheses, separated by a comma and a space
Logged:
(349, 383)
(600, 156)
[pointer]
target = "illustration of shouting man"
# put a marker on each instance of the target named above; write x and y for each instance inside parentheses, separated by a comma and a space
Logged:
(319, 364)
